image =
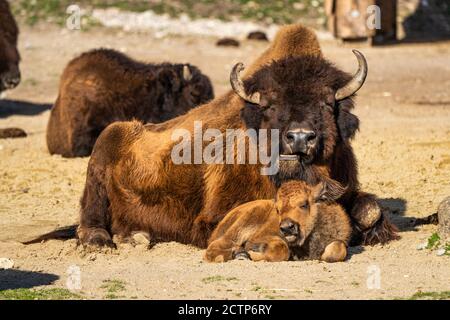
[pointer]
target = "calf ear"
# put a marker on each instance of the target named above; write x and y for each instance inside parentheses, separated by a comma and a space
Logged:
(328, 191)
(347, 122)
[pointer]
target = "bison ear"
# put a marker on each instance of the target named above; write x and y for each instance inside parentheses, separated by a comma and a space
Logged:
(328, 191)
(347, 122)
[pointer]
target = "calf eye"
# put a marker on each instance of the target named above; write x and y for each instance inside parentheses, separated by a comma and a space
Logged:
(304, 205)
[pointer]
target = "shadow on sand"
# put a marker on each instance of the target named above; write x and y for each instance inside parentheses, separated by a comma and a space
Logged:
(18, 279)
(25, 108)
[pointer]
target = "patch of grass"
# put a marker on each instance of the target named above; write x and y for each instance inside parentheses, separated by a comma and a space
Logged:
(37, 10)
(433, 241)
(218, 278)
(39, 294)
(443, 295)
(113, 287)
(271, 297)
(257, 288)
(280, 11)
(32, 82)
(308, 291)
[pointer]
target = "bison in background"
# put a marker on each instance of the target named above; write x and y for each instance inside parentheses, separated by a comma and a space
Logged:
(9, 61)
(9, 55)
(103, 86)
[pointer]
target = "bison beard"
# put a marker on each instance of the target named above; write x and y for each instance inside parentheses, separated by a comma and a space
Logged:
(103, 86)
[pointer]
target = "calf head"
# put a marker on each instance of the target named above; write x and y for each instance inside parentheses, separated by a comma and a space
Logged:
(297, 205)
(308, 100)
(184, 87)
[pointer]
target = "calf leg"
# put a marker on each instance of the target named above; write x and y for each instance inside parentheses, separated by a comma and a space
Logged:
(220, 250)
(335, 252)
(371, 223)
(271, 249)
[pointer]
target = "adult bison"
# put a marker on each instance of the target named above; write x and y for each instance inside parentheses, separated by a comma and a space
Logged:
(9, 55)
(133, 184)
(103, 86)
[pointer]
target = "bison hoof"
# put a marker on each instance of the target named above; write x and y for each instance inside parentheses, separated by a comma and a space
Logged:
(367, 213)
(95, 237)
(382, 232)
(140, 238)
(241, 255)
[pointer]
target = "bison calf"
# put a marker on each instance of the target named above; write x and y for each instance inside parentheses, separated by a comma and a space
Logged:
(104, 86)
(302, 223)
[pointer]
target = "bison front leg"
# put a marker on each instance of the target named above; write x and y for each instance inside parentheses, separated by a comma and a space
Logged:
(94, 219)
(371, 224)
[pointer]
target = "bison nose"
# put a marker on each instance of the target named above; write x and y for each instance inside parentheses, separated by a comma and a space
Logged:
(298, 140)
(288, 227)
(11, 80)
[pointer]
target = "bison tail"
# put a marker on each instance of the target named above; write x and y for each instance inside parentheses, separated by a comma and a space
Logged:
(431, 219)
(64, 233)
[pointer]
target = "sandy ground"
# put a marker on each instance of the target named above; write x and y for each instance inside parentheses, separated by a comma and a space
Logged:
(403, 150)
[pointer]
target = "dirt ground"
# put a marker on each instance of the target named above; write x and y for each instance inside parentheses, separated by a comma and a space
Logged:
(403, 149)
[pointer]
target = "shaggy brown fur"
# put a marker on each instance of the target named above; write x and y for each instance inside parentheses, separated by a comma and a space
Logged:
(318, 227)
(133, 185)
(291, 40)
(104, 86)
(12, 133)
(9, 55)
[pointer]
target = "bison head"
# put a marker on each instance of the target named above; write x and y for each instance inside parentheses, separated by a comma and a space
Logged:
(9, 55)
(184, 87)
(308, 100)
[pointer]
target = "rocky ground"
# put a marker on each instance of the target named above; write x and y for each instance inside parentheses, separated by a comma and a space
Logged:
(403, 149)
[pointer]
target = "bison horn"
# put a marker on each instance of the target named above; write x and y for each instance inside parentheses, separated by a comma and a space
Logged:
(187, 74)
(357, 81)
(238, 85)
